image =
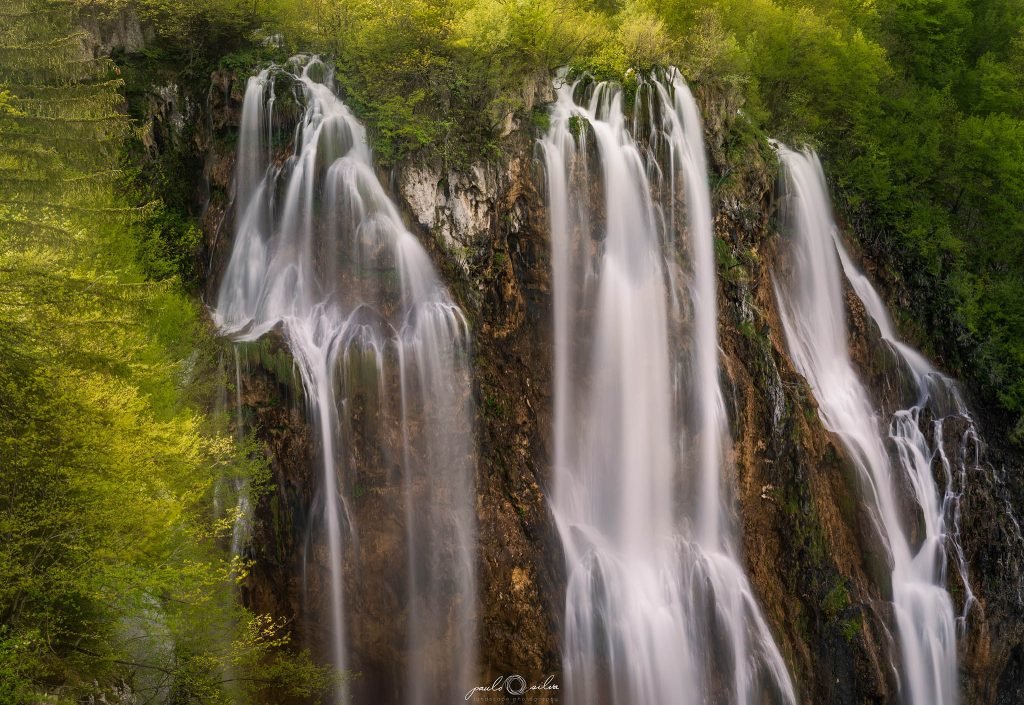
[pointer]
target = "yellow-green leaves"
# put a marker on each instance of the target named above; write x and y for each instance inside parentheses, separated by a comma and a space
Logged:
(111, 554)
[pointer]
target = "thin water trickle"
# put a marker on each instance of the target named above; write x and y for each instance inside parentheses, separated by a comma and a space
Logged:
(658, 608)
(320, 254)
(243, 521)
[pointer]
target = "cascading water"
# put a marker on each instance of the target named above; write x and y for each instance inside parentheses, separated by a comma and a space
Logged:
(658, 609)
(320, 254)
(812, 305)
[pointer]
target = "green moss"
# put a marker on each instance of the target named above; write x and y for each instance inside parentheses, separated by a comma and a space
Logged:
(730, 267)
(837, 601)
(577, 125)
(749, 331)
(630, 83)
(495, 406)
(540, 118)
(850, 628)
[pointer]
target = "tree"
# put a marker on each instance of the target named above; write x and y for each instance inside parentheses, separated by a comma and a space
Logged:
(113, 575)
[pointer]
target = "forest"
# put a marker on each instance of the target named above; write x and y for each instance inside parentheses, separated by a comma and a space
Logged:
(121, 462)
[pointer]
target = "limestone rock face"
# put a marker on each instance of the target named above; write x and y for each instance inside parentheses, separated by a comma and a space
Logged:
(457, 206)
(107, 31)
(487, 226)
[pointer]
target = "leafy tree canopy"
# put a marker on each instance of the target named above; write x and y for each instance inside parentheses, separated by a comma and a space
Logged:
(114, 577)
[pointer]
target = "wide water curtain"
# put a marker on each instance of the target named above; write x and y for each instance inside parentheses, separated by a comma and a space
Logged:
(657, 608)
(897, 451)
(320, 254)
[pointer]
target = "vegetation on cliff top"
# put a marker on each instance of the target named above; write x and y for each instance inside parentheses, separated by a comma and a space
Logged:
(916, 107)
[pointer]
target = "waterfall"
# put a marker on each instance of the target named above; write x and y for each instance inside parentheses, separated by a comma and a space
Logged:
(657, 607)
(890, 457)
(321, 255)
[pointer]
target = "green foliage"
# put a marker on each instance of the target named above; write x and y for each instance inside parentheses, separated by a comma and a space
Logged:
(192, 35)
(113, 573)
(541, 120)
(577, 125)
(448, 77)
(928, 38)
(168, 244)
(914, 107)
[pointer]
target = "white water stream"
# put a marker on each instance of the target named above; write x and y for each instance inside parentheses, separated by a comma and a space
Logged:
(889, 454)
(321, 255)
(657, 609)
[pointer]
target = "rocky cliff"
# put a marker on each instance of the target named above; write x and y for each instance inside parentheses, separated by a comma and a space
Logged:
(810, 549)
